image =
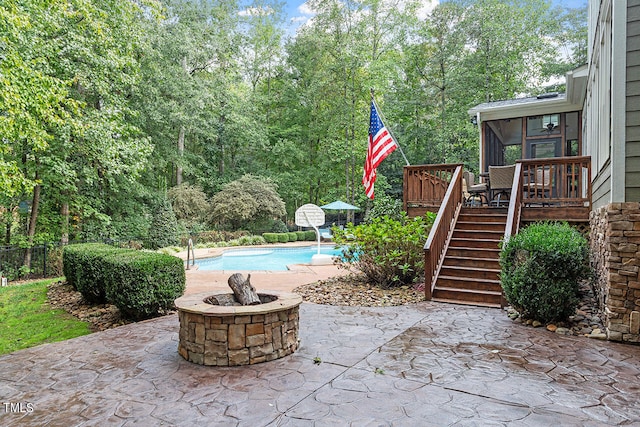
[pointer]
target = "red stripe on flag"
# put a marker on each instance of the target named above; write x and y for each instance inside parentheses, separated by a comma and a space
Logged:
(380, 146)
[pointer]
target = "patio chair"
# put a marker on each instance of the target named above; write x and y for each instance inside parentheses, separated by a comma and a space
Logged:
(540, 184)
(500, 183)
(325, 234)
(474, 194)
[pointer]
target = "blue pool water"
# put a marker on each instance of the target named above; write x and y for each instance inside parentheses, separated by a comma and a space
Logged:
(269, 259)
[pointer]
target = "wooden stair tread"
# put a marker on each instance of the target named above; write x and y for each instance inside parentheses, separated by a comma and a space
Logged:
(469, 273)
(475, 240)
(471, 279)
(476, 303)
(473, 259)
(469, 291)
(471, 248)
(464, 268)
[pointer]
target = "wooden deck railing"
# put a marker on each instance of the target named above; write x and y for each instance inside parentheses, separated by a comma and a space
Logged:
(442, 228)
(550, 189)
(562, 181)
(425, 186)
(556, 189)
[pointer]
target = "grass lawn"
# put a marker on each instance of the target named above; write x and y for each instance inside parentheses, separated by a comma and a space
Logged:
(26, 320)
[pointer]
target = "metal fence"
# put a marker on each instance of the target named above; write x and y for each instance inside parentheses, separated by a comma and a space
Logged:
(46, 260)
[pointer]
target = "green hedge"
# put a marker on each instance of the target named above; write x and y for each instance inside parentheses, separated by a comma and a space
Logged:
(143, 284)
(283, 237)
(83, 269)
(140, 284)
(292, 236)
(270, 237)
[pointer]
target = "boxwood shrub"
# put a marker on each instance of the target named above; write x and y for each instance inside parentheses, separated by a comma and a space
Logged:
(310, 235)
(270, 237)
(293, 236)
(301, 236)
(541, 270)
(83, 269)
(283, 237)
(143, 284)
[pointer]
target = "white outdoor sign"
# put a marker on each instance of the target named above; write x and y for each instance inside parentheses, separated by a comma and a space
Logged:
(309, 215)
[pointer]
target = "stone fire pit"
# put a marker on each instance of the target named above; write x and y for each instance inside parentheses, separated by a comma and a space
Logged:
(215, 330)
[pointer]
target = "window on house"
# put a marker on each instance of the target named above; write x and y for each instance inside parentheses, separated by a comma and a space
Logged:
(547, 124)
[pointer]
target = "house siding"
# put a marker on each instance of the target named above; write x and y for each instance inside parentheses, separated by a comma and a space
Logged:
(601, 186)
(632, 113)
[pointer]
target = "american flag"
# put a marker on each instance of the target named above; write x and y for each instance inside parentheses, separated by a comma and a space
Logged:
(381, 144)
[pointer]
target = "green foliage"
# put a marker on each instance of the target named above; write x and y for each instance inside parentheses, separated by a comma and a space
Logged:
(384, 205)
(84, 270)
(144, 284)
(270, 237)
(277, 226)
(283, 237)
(212, 236)
(301, 236)
(26, 319)
(164, 227)
(246, 200)
(310, 235)
(189, 202)
(141, 284)
(110, 104)
(388, 251)
(293, 236)
(251, 241)
(542, 267)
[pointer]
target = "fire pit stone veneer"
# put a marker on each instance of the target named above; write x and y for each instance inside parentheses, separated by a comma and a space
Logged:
(215, 334)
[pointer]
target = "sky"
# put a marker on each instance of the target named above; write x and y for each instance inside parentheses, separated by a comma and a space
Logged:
(298, 12)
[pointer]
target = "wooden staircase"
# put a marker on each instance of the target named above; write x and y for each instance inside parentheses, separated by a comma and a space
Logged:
(470, 271)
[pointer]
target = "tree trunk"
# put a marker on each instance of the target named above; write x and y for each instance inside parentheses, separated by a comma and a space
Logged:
(64, 211)
(180, 155)
(32, 223)
(244, 292)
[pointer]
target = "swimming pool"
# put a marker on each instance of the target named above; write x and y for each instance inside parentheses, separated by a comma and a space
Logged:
(269, 259)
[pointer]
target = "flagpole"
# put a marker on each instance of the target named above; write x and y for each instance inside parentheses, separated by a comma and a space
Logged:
(384, 120)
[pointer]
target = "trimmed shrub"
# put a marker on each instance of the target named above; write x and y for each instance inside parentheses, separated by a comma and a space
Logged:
(388, 251)
(164, 227)
(270, 237)
(310, 235)
(293, 236)
(283, 237)
(84, 270)
(542, 267)
(301, 236)
(143, 284)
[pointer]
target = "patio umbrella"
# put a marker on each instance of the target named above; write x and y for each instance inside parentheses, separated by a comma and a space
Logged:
(339, 205)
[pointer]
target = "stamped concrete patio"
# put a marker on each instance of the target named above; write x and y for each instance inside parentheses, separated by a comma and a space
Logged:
(428, 364)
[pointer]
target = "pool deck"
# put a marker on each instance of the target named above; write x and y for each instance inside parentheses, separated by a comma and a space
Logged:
(299, 274)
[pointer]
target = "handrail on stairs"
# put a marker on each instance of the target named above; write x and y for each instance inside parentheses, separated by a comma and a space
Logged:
(441, 231)
(515, 205)
(191, 252)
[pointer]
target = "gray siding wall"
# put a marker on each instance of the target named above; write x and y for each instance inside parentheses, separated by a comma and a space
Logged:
(601, 187)
(632, 122)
